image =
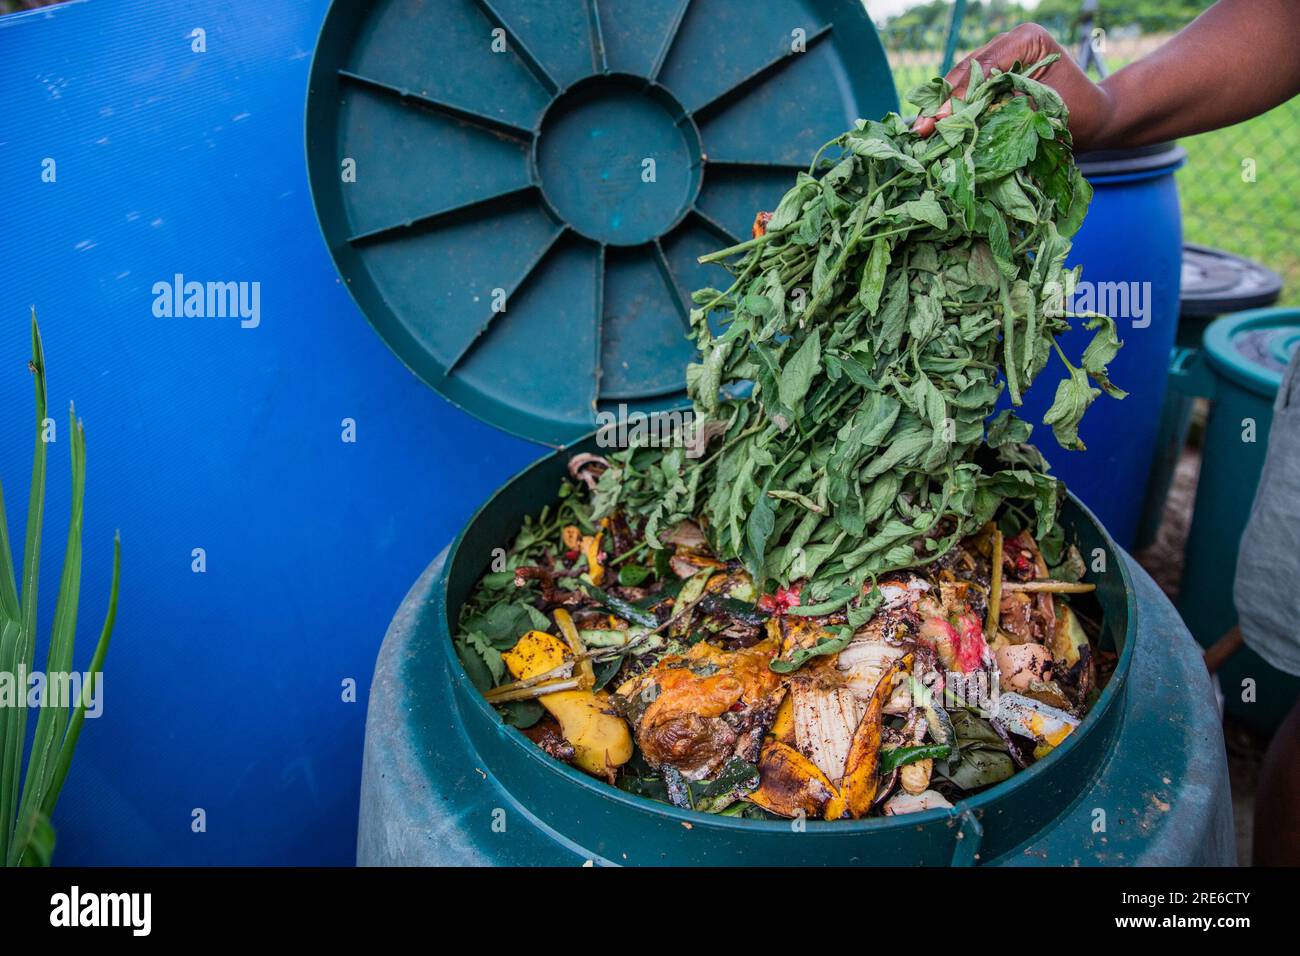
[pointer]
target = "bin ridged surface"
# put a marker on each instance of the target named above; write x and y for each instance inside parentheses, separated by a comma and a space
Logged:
(531, 184)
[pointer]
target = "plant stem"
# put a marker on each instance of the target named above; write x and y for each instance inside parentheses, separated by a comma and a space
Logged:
(743, 246)
(627, 554)
(995, 585)
(540, 690)
(1046, 586)
(563, 670)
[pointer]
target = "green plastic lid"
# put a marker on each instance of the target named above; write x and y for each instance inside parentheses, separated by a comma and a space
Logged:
(1254, 348)
(515, 193)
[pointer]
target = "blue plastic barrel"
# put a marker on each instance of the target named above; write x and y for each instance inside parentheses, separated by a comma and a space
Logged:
(1132, 237)
(227, 691)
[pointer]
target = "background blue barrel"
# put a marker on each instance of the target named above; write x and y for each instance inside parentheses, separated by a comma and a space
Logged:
(223, 690)
(1132, 238)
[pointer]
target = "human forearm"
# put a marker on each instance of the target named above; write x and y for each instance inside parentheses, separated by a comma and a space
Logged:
(1235, 61)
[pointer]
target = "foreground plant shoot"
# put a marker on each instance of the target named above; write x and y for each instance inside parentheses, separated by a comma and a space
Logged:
(809, 617)
(26, 836)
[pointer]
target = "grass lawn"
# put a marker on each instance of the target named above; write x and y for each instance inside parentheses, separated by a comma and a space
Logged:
(1257, 219)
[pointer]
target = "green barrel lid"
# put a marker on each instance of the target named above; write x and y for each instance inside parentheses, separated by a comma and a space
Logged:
(1254, 348)
(515, 193)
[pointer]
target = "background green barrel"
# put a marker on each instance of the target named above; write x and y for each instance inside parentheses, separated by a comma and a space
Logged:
(1246, 355)
(1215, 283)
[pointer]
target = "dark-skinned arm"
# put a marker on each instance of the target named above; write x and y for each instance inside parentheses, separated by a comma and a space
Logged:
(1235, 61)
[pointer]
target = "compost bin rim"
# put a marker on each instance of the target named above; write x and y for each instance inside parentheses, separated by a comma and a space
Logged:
(1224, 358)
(977, 802)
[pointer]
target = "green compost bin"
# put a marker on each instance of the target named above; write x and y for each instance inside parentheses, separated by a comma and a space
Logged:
(496, 152)
(1142, 781)
(1245, 356)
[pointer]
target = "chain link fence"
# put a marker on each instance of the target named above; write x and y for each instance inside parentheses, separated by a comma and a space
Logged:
(1240, 189)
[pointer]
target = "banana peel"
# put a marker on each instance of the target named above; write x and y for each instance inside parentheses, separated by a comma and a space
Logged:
(783, 724)
(790, 785)
(591, 548)
(601, 740)
(861, 779)
(564, 622)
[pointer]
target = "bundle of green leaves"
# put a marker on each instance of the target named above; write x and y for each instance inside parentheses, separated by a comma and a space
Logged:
(849, 375)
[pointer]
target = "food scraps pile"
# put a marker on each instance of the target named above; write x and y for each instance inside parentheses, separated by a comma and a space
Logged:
(841, 589)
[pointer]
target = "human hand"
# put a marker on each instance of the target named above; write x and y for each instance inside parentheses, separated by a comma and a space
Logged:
(1089, 104)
